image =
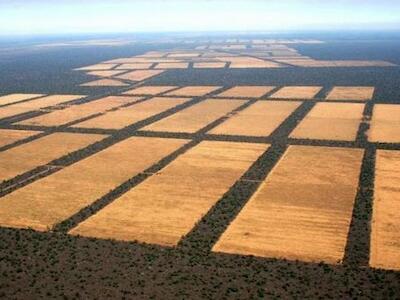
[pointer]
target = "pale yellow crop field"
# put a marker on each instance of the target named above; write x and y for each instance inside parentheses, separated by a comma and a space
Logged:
(306, 219)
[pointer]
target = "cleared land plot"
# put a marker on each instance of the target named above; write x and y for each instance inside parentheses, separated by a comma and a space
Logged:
(297, 92)
(385, 234)
(52, 199)
(209, 65)
(302, 210)
(259, 119)
(331, 121)
(140, 75)
(193, 91)
(150, 90)
(76, 112)
(98, 67)
(195, 117)
(167, 205)
(12, 98)
(105, 73)
(177, 65)
(9, 136)
(247, 91)
(134, 66)
(132, 114)
(362, 93)
(26, 157)
(105, 82)
(385, 124)
(24, 107)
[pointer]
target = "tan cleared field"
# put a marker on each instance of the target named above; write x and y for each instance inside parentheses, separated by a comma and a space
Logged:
(129, 115)
(24, 107)
(196, 117)
(134, 66)
(297, 92)
(385, 124)
(246, 91)
(105, 82)
(12, 98)
(146, 214)
(385, 229)
(362, 93)
(193, 91)
(254, 64)
(140, 75)
(76, 112)
(150, 90)
(52, 199)
(306, 219)
(175, 65)
(331, 121)
(97, 67)
(26, 157)
(259, 119)
(209, 65)
(9, 136)
(105, 73)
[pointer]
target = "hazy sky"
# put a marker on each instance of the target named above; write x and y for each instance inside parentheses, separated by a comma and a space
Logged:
(81, 16)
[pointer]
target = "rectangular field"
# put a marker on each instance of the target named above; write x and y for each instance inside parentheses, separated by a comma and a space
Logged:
(172, 65)
(26, 157)
(53, 199)
(195, 117)
(150, 90)
(132, 114)
(9, 136)
(140, 75)
(385, 229)
(24, 107)
(297, 92)
(246, 91)
(167, 205)
(331, 121)
(302, 210)
(259, 119)
(209, 65)
(385, 123)
(12, 98)
(134, 66)
(193, 91)
(362, 93)
(76, 112)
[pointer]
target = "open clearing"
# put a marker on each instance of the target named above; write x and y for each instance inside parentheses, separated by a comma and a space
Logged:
(331, 121)
(246, 91)
(76, 112)
(147, 214)
(12, 98)
(362, 93)
(385, 123)
(305, 219)
(150, 90)
(193, 91)
(140, 75)
(23, 107)
(385, 231)
(26, 157)
(259, 119)
(297, 92)
(9, 136)
(105, 82)
(52, 199)
(196, 117)
(129, 115)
